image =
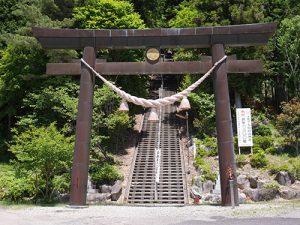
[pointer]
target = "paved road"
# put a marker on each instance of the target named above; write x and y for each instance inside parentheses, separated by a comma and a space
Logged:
(256, 221)
(254, 214)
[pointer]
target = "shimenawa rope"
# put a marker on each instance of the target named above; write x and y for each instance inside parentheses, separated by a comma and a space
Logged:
(147, 103)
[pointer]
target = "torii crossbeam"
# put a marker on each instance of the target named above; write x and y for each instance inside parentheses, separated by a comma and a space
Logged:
(201, 37)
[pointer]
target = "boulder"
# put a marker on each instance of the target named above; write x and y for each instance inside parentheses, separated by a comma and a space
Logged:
(267, 194)
(251, 193)
(296, 184)
(243, 182)
(261, 183)
(216, 199)
(97, 197)
(207, 197)
(297, 194)
(105, 188)
(284, 178)
(116, 191)
(64, 198)
(253, 181)
(198, 181)
(212, 198)
(208, 186)
(288, 193)
(195, 192)
(242, 198)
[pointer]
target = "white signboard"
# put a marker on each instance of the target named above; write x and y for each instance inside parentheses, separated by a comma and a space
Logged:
(244, 127)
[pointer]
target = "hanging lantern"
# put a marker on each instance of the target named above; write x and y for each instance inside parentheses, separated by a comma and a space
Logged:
(153, 117)
(184, 104)
(124, 106)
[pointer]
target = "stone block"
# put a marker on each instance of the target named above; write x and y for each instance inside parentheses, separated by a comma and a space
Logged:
(116, 191)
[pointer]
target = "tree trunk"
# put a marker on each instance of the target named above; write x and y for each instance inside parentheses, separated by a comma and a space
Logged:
(238, 100)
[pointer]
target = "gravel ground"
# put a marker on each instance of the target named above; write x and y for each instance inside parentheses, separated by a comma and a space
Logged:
(286, 213)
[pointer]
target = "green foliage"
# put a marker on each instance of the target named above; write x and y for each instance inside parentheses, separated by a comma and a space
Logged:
(288, 43)
(206, 169)
(22, 58)
(241, 160)
(107, 14)
(9, 21)
(285, 163)
(185, 17)
(282, 58)
(262, 130)
(288, 123)
(108, 121)
(272, 185)
(55, 100)
(193, 13)
(257, 149)
(272, 150)
(207, 147)
(261, 122)
(155, 13)
(117, 125)
(58, 9)
(263, 142)
(106, 174)
(203, 113)
(15, 189)
(258, 159)
(42, 154)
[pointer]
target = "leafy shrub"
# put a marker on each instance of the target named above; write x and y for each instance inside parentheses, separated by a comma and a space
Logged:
(117, 124)
(262, 130)
(207, 147)
(285, 163)
(241, 160)
(202, 112)
(263, 142)
(41, 155)
(206, 169)
(107, 174)
(275, 168)
(13, 188)
(273, 185)
(295, 162)
(288, 123)
(257, 149)
(272, 150)
(201, 151)
(258, 160)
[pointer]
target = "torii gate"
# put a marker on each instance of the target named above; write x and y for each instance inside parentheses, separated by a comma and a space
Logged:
(215, 38)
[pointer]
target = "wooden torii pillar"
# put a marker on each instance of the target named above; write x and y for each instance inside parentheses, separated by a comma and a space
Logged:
(203, 37)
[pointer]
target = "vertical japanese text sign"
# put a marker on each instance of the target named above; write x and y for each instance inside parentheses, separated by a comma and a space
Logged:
(244, 127)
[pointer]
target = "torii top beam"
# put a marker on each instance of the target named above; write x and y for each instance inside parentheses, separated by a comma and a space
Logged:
(200, 37)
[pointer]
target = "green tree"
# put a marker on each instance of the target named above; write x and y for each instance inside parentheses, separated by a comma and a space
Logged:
(107, 14)
(288, 42)
(192, 13)
(203, 113)
(43, 154)
(22, 59)
(288, 123)
(117, 125)
(55, 100)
